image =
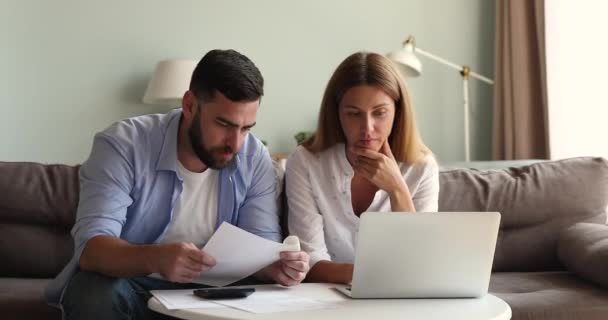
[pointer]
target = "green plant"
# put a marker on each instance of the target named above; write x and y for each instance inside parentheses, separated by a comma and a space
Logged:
(303, 136)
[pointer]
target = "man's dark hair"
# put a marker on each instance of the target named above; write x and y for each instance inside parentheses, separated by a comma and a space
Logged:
(228, 72)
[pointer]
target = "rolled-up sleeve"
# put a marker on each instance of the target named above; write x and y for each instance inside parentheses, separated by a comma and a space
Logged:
(304, 219)
(106, 181)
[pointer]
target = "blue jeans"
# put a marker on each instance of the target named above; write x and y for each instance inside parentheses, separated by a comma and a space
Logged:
(91, 295)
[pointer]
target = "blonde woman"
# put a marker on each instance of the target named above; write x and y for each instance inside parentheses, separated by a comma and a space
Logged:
(366, 155)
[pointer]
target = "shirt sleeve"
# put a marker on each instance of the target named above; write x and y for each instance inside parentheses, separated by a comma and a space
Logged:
(106, 181)
(426, 196)
(259, 213)
(304, 219)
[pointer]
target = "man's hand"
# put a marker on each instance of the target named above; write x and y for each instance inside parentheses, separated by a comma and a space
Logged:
(182, 262)
(380, 168)
(290, 270)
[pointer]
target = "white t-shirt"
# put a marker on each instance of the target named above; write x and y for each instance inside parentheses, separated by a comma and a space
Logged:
(195, 214)
(318, 189)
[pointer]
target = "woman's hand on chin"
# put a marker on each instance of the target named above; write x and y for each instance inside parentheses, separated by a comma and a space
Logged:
(380, 168)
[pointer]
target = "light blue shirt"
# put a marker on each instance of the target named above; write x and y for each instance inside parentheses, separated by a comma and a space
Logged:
(129, 187)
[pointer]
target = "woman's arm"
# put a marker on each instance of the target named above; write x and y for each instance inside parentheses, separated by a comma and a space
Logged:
(401, 200)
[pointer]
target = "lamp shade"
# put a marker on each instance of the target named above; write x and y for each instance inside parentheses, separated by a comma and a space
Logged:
(407, 60)
(170, 81)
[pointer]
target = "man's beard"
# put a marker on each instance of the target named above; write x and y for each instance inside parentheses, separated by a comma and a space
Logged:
(206, 155)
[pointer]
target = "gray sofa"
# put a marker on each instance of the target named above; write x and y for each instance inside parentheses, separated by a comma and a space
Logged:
(549, 264)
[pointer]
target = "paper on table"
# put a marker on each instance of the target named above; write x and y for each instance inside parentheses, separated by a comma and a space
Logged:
(239, 254)
(272, 301)
(182, 299)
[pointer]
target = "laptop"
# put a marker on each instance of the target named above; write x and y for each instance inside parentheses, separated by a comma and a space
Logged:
(423, 255)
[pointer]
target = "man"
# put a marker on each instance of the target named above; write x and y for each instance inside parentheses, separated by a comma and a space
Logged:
(156, 187)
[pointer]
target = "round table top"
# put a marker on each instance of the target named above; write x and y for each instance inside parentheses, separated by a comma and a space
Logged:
(488, 307)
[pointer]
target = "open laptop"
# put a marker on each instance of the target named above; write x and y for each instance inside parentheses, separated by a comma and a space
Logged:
(424, 255)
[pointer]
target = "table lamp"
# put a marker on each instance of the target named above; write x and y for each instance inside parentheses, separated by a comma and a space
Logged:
(170, 81)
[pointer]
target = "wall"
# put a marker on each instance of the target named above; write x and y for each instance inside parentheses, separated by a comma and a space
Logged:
(70, 68)
(576, 73)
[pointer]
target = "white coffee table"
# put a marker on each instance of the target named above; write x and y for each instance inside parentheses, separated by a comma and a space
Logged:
(486, 308)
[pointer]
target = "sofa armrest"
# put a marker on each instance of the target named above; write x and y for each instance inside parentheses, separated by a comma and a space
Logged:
(583, 249)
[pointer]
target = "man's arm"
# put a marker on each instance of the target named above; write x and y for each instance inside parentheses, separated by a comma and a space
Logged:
(177, 262)
(106, 182)
(116, 257)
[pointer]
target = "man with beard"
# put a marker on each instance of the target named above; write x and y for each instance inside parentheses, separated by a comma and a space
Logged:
(156, 187)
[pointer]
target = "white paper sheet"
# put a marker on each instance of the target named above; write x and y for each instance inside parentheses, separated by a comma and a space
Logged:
(238, 254)
(273, 301)
(182, 299)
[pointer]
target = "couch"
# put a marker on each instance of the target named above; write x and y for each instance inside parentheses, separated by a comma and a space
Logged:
(551, 258)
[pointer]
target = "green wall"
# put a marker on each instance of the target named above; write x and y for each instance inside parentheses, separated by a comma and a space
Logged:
(70, 68)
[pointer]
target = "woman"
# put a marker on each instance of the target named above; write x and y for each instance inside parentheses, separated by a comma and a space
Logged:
(366, 155)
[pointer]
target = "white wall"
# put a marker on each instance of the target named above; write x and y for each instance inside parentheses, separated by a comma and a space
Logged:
(69, 68)
(577, 73)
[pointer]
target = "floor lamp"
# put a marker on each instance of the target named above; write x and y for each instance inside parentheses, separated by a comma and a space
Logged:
(412, 67)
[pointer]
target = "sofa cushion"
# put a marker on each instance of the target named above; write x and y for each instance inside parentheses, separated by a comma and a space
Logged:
(32, 250)
(550, 296)
(23, 299)
(583, 249)
(37, 210)
(38, 193)
(536, 202)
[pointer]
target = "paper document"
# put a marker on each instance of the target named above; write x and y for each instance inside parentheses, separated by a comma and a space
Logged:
(273, 301)
(238, 254)
(182, 299)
